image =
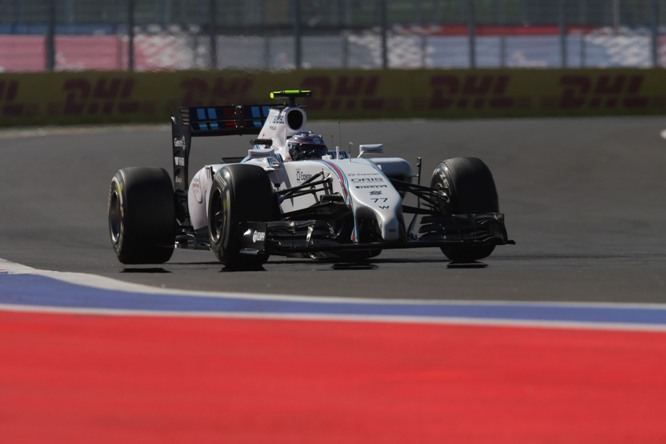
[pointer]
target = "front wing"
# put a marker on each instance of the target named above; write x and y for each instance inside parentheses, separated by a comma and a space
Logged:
(312, 236)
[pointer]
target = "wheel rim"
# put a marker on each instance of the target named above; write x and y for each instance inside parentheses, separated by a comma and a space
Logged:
(217, 217)
(115, 217)
(443, 185)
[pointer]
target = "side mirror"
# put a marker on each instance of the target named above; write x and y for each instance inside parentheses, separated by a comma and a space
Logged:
(375, 148)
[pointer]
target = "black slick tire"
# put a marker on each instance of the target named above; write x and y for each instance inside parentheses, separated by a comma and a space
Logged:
(141, 215)
(471, 189)
(240, 193)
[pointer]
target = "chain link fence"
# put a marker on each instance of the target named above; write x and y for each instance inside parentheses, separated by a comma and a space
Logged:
(153, 35)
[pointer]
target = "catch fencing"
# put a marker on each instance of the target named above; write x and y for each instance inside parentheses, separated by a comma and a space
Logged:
(259, 35)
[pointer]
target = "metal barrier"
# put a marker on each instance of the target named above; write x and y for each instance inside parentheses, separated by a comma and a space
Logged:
(149, 35)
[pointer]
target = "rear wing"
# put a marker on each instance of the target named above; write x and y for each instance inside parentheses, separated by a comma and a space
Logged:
(206, 121)
(221, 120)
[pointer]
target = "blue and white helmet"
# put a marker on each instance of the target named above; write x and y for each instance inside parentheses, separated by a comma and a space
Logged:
(306, 145)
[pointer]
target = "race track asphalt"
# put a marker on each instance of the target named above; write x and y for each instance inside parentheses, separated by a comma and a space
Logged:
(583, 198)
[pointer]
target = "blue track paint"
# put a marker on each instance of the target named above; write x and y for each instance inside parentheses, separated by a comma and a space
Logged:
(35, 291)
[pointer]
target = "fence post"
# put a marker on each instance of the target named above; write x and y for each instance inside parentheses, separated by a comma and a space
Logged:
(298, 46)
(502, 37)
(561, 18)
(130, 35)
(50, 38)
(616, 15)
(655, 34)
(212, 11)
(383, 29)
(471, 33)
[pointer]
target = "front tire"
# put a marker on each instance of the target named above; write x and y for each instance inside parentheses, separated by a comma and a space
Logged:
(141, 213)
(240, 193)
(471, 189)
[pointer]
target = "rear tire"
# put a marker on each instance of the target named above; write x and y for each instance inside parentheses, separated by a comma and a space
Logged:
(141, 213)
(240, 193)
(471, 189)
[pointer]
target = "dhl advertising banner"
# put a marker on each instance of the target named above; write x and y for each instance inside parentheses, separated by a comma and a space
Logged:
(122, 97)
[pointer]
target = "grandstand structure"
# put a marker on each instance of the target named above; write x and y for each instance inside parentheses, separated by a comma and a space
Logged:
(155, 35)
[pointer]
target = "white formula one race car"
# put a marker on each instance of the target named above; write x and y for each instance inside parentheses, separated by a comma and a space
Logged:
(291, 196)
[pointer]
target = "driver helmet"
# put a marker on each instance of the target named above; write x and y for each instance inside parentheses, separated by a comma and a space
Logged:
(306, 145)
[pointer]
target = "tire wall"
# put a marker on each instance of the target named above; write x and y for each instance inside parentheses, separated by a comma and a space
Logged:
(104, 97)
